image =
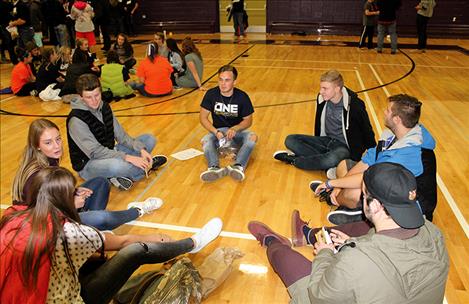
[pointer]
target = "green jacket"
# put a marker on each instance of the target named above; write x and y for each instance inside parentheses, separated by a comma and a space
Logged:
(112, 79)
(379, 269)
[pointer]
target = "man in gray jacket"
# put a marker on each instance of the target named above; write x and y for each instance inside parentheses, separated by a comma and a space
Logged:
(98, 144)
(402, 259)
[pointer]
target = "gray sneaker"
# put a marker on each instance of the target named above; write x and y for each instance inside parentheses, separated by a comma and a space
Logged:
(121, 182)
(212, 174)
(236, 172)
(331, 173)
(343, 215)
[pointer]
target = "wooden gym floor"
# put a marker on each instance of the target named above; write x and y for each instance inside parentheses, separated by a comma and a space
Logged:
(281, 75)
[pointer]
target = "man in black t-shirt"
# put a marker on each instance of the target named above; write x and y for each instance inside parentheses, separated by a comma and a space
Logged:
(231, 111)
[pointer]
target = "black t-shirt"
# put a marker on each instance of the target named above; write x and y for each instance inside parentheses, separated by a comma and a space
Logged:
(227, 111)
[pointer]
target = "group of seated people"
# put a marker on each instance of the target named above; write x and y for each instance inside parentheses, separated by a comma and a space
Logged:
(385, 246)
(52, 75)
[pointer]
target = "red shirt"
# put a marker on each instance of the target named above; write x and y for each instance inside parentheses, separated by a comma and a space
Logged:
(20, 75)
(12, 289)
(157, 75)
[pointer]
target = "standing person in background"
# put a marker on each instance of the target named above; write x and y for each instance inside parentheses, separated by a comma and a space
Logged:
(101, 22)
(57, 21)
(116, 13)
(83, 13)
(22, 20)
(387, 23)
(37, 21)
(130, 6)
(424, 13)
(192, 78)
(7, 43)
(370, 14)
(237, 10)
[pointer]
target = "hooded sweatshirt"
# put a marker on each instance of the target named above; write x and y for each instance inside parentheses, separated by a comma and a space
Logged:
(82, 13)
(379, 269)
(356, 126)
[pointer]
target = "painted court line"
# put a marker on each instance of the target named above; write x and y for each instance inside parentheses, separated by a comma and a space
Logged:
(8, 98)
(449, 198)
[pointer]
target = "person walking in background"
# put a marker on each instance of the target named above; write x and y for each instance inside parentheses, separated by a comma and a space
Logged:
(370, 15)
(424, 13)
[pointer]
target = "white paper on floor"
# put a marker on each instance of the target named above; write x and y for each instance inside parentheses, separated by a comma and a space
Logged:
(187, 154)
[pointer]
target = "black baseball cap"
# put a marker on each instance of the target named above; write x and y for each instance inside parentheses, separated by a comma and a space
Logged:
(396, 188)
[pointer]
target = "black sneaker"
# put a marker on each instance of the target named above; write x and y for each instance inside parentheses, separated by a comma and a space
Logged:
(285, 156)
(313, 185)
(158, 161)
(344, 215)
(121, 182)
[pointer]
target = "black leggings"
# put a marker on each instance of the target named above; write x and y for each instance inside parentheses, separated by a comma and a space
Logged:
(27, 89)
(101, 285)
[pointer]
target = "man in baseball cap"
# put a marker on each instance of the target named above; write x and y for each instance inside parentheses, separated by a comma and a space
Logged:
(402, 258)
(395, 188)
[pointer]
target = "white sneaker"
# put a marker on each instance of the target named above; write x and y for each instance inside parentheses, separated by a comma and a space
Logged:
(236, 172)
(207, 234)
(148, 206)
(331, 173)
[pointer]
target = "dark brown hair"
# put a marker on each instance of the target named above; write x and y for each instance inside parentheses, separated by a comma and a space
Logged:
(407, 107)
(188, 47)
(87, 82)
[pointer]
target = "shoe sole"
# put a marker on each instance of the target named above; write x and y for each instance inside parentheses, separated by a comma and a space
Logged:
(281, 238)
(159, 166)
(297, 237)
(236, 175)
(211, 176)
(344, 217)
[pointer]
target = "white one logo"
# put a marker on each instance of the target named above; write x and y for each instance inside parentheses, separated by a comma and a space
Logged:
(226, 109)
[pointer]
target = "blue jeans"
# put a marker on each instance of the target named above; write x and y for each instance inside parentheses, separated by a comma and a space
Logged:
(140, 87)
(101, 285)
(242, 139)
(61, 33)
(316, 152)
(238, 23)
(93, 212)
(114, 167)
(391, 29)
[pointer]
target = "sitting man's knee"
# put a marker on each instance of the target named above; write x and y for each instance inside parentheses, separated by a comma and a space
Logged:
(253, 137)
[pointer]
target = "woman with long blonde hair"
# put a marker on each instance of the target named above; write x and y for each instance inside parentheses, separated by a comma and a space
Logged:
(44, 149)
(43, 247)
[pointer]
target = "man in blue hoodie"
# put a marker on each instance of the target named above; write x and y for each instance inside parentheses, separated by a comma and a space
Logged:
(403, 142)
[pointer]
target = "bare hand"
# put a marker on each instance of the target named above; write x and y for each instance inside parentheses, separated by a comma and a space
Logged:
(147, 156)
(79, 201)
(334, 193)
(230, 134)
(138, 162)
(82, 191)
(202, 89)
(318, 246)
(322, 187)
(338, 237)
(95, 68)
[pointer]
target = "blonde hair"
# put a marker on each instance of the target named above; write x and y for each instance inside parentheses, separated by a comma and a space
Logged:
(65, 54)
(33, 159)
(333, 76)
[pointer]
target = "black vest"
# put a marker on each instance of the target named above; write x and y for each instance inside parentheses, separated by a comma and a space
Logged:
(103, 132)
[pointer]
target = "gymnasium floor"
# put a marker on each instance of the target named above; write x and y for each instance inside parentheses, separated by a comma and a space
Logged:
(281, 75)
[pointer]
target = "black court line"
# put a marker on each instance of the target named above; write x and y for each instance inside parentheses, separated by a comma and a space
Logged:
(4, 112)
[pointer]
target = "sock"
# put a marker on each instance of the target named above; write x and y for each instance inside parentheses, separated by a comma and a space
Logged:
(268, 240)
(307, 233)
